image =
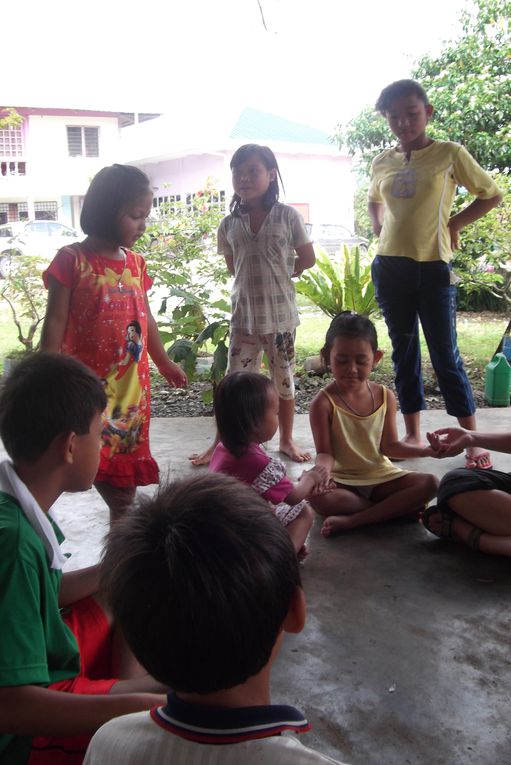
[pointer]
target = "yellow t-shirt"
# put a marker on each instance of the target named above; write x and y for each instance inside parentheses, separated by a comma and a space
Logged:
(418, 196)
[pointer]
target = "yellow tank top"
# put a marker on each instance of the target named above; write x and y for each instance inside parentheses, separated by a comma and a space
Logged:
(356, 446)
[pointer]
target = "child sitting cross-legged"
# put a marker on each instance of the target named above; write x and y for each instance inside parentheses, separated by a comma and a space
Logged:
(353, 421)
(57, 675)
(247, 415)
(205, 582)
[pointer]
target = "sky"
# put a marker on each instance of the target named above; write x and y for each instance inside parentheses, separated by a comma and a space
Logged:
(317, 61)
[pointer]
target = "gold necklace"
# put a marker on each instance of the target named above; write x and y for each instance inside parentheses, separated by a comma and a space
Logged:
(348, 405)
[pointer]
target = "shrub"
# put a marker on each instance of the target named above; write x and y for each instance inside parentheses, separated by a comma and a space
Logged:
(341, 282)
(190, 280)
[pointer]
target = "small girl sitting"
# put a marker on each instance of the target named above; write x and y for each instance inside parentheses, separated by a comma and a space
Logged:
(353, 422)
(247, 414)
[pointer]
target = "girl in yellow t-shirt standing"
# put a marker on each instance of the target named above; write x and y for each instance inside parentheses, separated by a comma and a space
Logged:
(410, 199)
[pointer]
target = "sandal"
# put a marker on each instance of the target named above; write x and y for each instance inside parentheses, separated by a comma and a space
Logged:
(447, 517)
(481, 462)
(474, 537)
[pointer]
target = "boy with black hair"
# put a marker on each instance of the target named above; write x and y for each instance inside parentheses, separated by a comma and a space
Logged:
(411, 194)
(204, 582)
(55, 636)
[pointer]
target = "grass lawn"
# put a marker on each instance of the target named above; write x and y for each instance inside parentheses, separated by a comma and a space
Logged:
(478, 336)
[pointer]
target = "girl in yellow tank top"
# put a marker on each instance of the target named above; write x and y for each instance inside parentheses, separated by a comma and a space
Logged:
(353, 422)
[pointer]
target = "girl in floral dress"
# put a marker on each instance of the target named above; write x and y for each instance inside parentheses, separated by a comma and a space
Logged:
(98, 312)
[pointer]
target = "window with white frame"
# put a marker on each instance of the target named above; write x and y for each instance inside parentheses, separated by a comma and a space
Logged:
(168, 203)
(82, 141)
(45, 210)
(11, 142)
(194, 201)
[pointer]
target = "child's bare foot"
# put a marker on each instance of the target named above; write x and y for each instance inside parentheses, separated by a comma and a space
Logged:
(203, 458)
(477, 458)
(293, 450)
(335, 524)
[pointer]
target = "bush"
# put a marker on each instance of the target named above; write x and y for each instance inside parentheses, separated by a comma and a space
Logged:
(190, 280)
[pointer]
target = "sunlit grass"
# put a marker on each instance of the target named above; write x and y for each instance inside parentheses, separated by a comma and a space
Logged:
(478, 336)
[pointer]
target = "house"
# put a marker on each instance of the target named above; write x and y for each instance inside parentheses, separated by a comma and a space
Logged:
(180, 155)
(47, 162)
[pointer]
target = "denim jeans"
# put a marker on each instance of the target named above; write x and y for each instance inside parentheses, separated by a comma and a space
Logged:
(407, 292)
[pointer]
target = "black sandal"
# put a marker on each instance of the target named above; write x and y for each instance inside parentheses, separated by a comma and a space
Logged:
(474, 538)
(447, 516)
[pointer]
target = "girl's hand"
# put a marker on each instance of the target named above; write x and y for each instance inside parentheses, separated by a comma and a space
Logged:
(320, 477)
(174, 375)
(318, 474)
(454, 233)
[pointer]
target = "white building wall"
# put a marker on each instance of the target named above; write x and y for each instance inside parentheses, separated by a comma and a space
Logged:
(51, 174)
(50, 169)
(324, 183)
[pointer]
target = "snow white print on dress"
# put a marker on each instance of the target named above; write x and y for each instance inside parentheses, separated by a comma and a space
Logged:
(122, 423)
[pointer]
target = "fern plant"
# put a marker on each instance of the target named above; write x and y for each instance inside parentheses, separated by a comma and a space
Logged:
(341, 282)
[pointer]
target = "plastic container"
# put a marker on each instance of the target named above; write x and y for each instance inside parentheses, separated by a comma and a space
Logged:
(497, 381)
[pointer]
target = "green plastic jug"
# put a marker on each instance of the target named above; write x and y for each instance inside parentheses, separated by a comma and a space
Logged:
(497, 381)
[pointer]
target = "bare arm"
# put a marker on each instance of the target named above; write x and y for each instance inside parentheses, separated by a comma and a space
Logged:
(57, 313)
(229, 262)
(171, 371)
(320, 416)
(305, 258)
(76, 585)
(30, 710)
(469, 214)
(390, 445)
(376, 214)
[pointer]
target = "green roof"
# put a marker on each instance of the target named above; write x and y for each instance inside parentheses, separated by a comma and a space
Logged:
(261, 126)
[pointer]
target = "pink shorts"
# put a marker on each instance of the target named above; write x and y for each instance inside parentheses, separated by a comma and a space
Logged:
(90, 626)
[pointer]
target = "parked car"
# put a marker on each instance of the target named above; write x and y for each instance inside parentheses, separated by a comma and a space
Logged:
(333, 236)
(41, 238)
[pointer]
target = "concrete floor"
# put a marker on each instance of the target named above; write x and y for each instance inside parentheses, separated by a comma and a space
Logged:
(406, 655)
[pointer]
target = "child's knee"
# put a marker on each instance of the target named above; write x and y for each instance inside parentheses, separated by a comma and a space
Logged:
(430, 484)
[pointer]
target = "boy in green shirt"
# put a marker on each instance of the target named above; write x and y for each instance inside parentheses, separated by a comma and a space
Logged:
(56, 652)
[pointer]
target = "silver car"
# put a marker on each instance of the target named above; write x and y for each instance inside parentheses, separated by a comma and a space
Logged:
(333, 236)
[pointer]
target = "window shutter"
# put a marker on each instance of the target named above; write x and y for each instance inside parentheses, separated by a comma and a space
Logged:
(91, 141)
(74, 141)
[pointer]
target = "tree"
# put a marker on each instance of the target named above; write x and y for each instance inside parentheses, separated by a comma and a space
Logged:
(469, 84)
(10, 118)
(23, 290)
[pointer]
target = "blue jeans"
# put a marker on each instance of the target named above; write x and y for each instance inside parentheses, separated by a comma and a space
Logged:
(408, 292)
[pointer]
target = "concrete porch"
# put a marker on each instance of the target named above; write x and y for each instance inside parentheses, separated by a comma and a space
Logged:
(406, 655)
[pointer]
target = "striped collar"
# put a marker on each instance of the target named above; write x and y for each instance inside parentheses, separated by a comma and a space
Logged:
(221, 725)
